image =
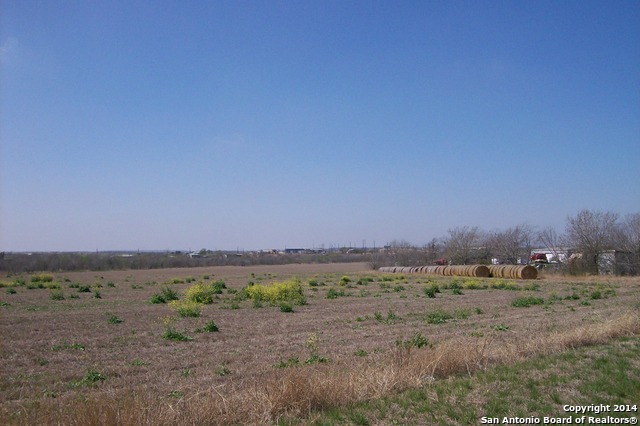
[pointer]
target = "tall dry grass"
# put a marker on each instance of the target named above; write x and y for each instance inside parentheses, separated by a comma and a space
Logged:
(298, 392)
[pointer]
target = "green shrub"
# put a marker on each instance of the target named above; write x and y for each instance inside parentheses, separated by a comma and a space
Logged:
(41, 278)
(32, 286)
(286, 291)
(222, 369)
(526, 301)
(75, 346)
(93, 376)
(431, 291)
(332, 293)
(166, 295)
(96, 294)
(364, 281)
(11, 290)
(186, 308)
(345, 280)
(56, 295)
(389, 319)
(204, 292)
(84, 289)
(417, 341)
(286, 307)
(209, 327)
(291, 362)
(257, 301)
(462, 314)
(113, 319)
(172, 334)
(438, 317)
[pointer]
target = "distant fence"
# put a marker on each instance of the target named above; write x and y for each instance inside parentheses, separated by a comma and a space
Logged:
(519, 272)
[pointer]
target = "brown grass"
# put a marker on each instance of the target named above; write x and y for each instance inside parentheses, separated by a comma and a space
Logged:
(251, 341)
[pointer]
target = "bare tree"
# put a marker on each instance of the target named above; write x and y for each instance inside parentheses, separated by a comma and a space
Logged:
(433, 250)
(629, 240)
(592, 233)
(462, 244)
(550, 239)
(512, 245)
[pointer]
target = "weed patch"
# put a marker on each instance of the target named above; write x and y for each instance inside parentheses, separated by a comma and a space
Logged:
(166, 295)
(332, 293)
(89, 379)
(41, 278)
(204, 292)
(286, 291)
(74, 346)
(438, 317)
(186, 308)
(417, 341)
(432, 290)
(526, 301)
(391, 317)
(209, 327)
(114, 319)
(56, 295)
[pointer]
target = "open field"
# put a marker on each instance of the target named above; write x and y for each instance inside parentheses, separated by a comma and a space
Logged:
(90, 347)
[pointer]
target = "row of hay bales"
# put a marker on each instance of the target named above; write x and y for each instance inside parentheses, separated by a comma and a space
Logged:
(521, 272)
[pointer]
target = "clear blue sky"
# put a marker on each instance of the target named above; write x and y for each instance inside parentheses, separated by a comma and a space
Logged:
(265, 124)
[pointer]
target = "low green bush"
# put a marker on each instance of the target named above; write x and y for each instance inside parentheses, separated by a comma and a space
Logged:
(526, 301)
(166, 295)
(186, 308)
(277, 292)
(204, 292)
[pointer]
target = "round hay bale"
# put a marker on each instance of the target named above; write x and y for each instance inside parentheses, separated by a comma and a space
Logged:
(528, 272)
(468, 270)
(480, 271)
(497, 271)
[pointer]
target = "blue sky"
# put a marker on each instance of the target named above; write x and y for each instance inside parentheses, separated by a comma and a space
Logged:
(265, 124)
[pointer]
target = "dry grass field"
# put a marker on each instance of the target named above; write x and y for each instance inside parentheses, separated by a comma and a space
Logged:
(90, 347)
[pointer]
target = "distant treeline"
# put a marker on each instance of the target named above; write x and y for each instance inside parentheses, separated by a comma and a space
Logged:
(12, 262)
(593, 242)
